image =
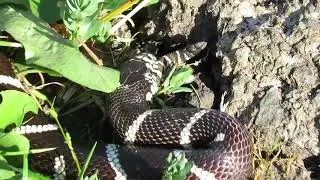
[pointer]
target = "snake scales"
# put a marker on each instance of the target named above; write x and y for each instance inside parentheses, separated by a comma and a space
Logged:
(223, 145)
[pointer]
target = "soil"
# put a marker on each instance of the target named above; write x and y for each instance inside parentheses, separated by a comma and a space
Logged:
(266, 56)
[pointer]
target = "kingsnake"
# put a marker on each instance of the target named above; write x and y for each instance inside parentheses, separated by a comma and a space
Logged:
(223, 147)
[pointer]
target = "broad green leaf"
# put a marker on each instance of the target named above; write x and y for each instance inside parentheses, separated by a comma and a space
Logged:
(45, 48)
(14, 106)
(13, 142)
(45, 9)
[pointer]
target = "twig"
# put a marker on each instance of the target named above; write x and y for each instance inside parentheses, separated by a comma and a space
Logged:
(92, 55)
(128, 16)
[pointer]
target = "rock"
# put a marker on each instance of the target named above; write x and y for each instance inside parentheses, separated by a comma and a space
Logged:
(203, 99)
(270, 111)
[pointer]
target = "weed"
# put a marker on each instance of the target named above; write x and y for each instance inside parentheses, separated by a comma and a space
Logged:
(267, 157)
(176, 166)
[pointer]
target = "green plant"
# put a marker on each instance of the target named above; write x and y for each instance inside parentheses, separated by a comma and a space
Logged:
(11, 143)
(176, 79)
(176, 166)
(81, 19)
(267, 157)
(54, 53)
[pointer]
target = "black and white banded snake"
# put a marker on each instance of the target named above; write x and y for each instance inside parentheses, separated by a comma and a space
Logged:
(223, 144)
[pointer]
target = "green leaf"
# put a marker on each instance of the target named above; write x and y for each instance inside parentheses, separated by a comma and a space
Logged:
(176, 166)
(13, 142)
(176, 79)
(181, 89)
(90, 29)
(45, 9)
(14, 106)
(113, 4)
(152, 2)
(166, 83)
(182, 76)
(45, 48)
(93, 177)
(80, 18)
(23, 3)
(84, 168)
(6, 171)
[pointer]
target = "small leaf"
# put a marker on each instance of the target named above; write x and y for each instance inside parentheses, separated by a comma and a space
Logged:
(166, 83)
(181, 89)
(14, 106)
(152, 2)
(84, 168)
(179, 78)
(80, 18)
(38, 94)
(93, 177)
(89, 29)
(178, 167)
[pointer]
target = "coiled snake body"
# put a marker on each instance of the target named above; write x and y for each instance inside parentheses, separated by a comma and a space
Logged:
(223, 145)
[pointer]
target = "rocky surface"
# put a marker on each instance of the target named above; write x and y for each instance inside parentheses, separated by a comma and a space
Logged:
(266, 56)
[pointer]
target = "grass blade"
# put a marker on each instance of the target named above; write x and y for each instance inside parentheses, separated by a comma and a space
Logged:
(83, 170)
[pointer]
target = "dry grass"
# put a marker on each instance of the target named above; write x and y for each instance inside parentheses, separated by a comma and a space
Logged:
(269, 162)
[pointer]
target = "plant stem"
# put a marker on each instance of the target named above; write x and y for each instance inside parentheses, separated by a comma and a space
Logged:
(92, 54)
(10, 44)
(119, 10)
(128, 16)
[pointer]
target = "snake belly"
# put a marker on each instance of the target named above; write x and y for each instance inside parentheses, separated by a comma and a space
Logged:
(217, 143)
